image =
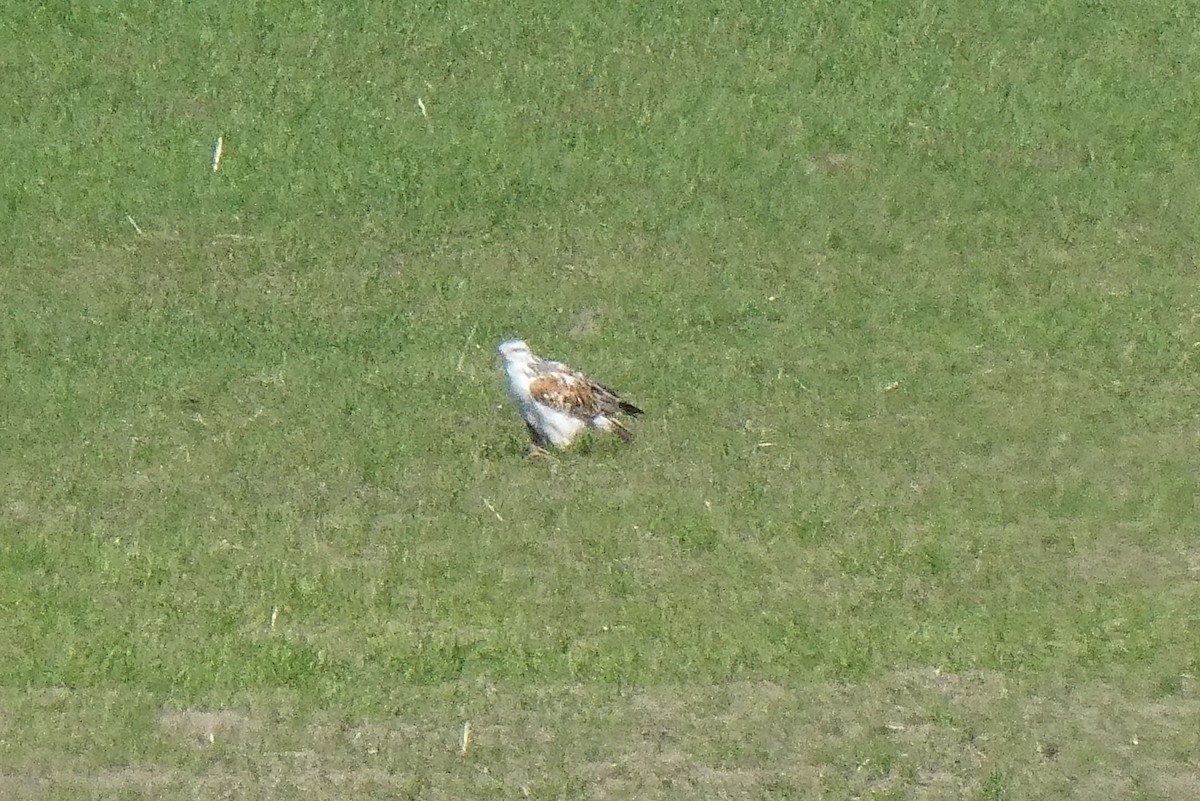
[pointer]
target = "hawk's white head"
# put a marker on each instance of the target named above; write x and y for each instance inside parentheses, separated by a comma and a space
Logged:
(518, 360)
(515, 350)
(519, 367)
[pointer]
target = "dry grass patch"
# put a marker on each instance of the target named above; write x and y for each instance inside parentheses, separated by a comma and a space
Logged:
(203, 727)
(920, 733)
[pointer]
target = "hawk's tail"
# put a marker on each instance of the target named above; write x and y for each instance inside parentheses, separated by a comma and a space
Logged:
(613, 426)
(621, 431)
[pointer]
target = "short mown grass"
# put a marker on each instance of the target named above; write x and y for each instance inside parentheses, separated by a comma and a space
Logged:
(908, 295)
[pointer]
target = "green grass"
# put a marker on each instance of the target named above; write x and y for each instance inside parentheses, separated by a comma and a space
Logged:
(909, 297)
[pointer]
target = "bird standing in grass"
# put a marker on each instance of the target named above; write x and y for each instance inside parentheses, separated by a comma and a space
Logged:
(557, 402)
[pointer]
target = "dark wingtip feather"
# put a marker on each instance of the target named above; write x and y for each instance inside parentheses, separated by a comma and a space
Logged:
(629, 408)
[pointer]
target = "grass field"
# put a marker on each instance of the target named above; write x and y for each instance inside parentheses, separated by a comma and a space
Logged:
(909, 294)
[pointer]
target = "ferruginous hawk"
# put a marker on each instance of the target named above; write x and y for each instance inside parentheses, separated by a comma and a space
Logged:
(557, 402)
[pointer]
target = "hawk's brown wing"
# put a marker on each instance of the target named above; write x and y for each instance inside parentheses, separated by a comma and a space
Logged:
(574, 393)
